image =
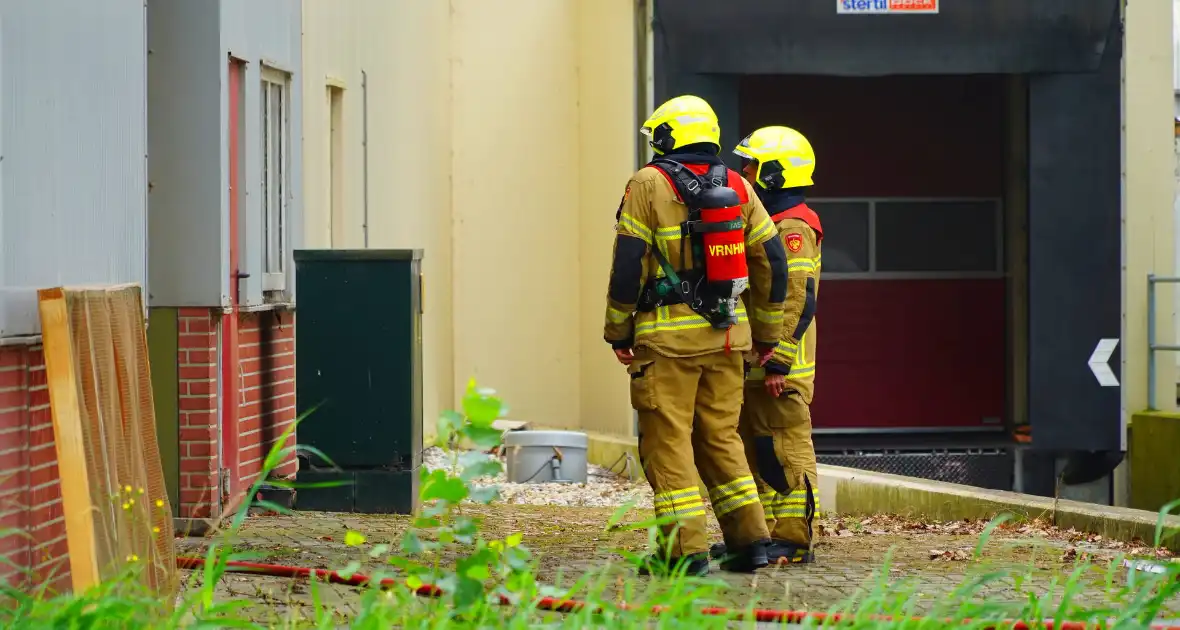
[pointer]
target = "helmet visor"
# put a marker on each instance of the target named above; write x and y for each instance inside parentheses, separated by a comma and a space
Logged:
(743, 149)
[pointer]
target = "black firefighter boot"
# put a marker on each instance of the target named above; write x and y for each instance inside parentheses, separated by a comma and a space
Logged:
(777, 552)
(744, 559)
(717, 550)
(782, 552)
(692, 565)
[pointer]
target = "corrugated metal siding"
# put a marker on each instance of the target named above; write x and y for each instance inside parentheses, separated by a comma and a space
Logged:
(188, 258)
(74, 142)
(264, 31)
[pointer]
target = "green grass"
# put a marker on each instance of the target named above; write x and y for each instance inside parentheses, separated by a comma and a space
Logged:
(447, 548)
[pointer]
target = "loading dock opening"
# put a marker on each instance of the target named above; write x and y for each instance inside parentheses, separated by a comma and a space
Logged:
(969, 180)
(909, 186)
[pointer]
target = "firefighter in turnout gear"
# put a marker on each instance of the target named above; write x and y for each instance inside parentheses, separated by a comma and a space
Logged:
(691, 237)
(776, 418)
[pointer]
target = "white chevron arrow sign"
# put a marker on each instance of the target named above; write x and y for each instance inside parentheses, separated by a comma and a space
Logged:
(1100, 362)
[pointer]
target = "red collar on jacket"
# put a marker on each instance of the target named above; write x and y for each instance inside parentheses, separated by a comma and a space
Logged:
(805, 214)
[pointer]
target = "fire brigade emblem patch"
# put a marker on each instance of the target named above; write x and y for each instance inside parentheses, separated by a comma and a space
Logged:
(627, 195)
(794, 242)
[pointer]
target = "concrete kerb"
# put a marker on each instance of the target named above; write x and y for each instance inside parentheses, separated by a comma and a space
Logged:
(858, 492)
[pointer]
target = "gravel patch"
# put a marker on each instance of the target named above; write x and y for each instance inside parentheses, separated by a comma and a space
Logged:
(603, 488)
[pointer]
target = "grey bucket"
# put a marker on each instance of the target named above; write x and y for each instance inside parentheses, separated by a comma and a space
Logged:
(531, 456)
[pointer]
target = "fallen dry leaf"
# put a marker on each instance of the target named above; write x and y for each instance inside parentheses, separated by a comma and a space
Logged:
(952, 555)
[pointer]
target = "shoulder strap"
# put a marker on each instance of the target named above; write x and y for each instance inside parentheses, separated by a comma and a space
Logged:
(680, 286)
(687, 183)
(718, 175)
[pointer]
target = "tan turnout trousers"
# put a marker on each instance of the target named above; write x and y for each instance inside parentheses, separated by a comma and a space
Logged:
(674, 396)
(777, 435)
(777, 431)
(686, 376)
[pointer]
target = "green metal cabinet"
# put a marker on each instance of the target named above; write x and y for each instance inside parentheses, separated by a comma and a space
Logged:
(358, 345)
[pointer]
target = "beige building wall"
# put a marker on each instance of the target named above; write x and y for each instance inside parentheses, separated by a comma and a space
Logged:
(501, 136)
(1149, 195)
(398, 52)
(544, 127)
(608, 139)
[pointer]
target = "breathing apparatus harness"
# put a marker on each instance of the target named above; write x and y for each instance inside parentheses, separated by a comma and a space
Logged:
(714, 234)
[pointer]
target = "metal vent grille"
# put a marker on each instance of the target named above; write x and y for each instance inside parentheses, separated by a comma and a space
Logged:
(991, 469)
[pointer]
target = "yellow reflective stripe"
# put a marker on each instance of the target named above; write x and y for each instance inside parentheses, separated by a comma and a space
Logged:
(790, 510)
(768, 500)
(695, 511)
(785, 351)
(633, 225)
(793, 505)
(663, 235)
(686, 502)
(736, 502)
(730, 488)
(615, 315)
(801, 371)
(760, 232)
(677, 495)
(770, 317)
(668, 233)
(674, 506)
(800, 264)
(733, 495)
(797, 371)
(802, 367)
(664, 322)
(696, 508)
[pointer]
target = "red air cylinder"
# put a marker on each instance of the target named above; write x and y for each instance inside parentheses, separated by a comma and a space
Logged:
(725, 241)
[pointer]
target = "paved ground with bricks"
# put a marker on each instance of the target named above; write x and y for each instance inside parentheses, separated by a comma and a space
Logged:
(570, 541)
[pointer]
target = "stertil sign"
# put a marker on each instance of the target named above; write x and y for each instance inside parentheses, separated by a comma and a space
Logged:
(887, 6)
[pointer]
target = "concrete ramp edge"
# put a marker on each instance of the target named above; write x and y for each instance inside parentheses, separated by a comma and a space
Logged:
(857, 492)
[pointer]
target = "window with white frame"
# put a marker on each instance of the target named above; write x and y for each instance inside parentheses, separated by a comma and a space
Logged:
(276, 185)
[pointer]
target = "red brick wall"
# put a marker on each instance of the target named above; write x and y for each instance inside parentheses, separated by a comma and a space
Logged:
(266, 343)
(197, 371)
(266, 400)
(32, 527)
(30, 496)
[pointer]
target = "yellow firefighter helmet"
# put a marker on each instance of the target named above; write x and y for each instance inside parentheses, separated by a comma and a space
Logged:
(680, 122)
(784, 157)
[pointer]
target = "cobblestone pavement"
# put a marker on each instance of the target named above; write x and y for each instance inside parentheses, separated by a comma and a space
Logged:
(571, 540)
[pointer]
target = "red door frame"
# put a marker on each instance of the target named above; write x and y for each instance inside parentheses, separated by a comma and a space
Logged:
(230, 359)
